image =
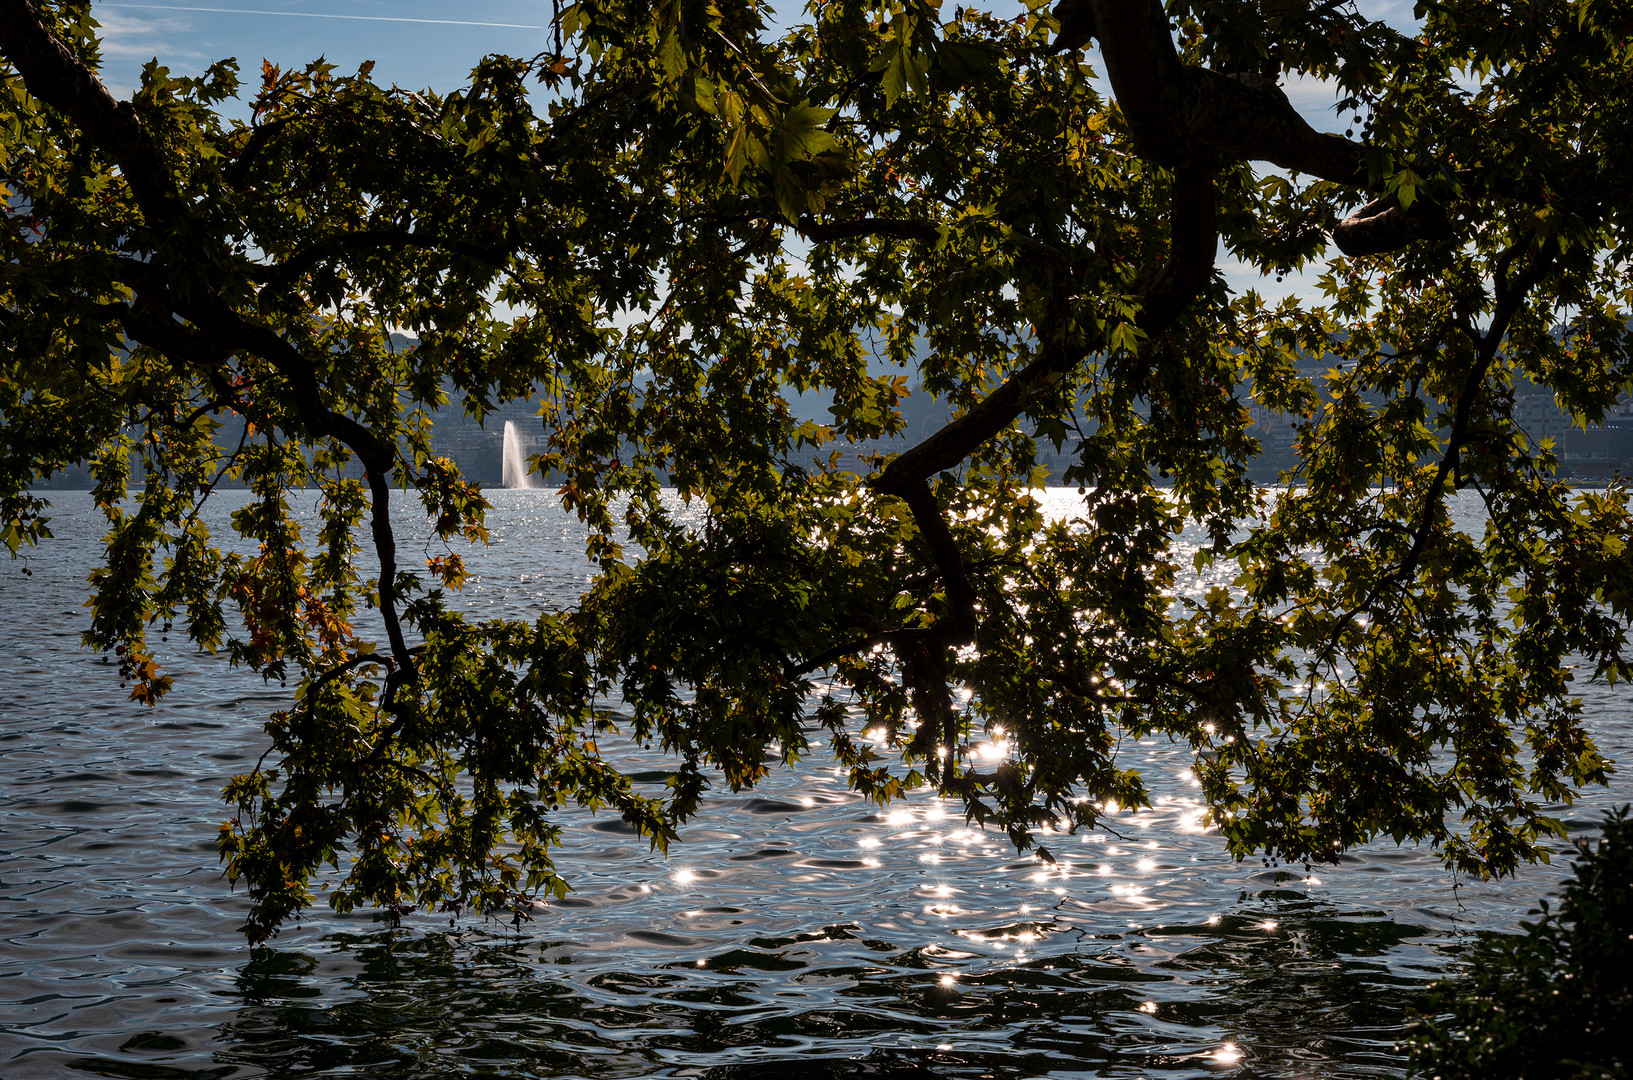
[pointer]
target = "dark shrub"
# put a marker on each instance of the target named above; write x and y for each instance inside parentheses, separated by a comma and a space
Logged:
(1554, 1001)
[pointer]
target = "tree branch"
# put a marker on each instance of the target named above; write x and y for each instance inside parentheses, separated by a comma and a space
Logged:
(377, 455)
(57, 77)
(1193, 245)
(1381, 225)
(1173, 109)
(899, 228)
(286, 271)
(925, 671)
(1509, 296)
(959, 626)
(1248, 117)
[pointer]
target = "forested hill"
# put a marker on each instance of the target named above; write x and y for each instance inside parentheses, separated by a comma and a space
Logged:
(1597, 452)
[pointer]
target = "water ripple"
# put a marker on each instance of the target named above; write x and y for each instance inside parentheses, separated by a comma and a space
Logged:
(798, 930)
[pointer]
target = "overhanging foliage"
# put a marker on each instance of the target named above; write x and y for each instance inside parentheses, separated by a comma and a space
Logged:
(951, 191)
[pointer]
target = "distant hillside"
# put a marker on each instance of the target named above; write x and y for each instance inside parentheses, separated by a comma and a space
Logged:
(477, 448)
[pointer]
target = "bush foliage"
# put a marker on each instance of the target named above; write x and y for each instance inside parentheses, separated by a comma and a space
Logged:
(1555, 1001)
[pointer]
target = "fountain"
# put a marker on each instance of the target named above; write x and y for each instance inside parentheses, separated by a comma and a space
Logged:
(515, 474)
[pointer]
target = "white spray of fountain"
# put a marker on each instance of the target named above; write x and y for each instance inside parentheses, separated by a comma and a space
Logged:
(515, 474)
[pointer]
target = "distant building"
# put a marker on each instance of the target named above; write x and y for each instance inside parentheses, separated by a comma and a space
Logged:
(1597, 453)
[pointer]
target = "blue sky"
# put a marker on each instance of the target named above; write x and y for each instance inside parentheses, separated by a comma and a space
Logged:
(415, 43)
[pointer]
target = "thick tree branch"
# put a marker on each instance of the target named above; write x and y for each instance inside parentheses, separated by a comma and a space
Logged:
(959, 626)
(959, 438)
(57, 77)
(1248, 117)
(1381, 225)
(1177, 115)
(926, 674)
(1193, 246)
(1173, 110)
(1146, 75)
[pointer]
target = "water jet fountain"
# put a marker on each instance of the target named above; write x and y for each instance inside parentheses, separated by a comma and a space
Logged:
(515, 474)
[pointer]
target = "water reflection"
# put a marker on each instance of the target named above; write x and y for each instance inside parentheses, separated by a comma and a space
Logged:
(1182, 999)
(1022, 975)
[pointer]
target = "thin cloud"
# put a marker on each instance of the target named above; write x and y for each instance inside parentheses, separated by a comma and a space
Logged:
(129, 41)
(326, 15)
(125, 36)
(1315, 99)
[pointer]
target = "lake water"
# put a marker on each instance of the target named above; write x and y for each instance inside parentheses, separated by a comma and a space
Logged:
(796, 931)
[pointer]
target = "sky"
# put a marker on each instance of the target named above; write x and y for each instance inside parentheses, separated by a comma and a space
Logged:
(414, 43)
(419, 43)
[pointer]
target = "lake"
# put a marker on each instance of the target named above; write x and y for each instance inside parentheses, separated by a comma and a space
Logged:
(796, 931)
